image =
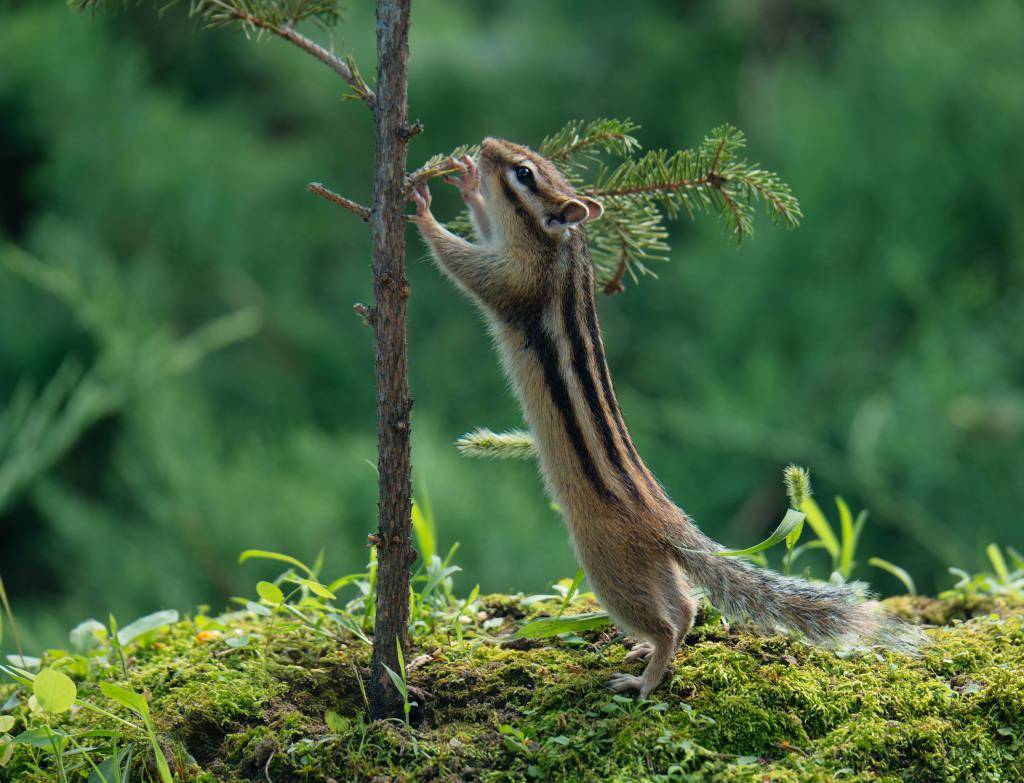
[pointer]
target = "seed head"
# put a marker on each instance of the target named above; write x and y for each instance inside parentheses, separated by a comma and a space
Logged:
(798, 485)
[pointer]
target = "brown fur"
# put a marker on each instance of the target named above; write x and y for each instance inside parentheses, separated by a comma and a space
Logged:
(531, 275)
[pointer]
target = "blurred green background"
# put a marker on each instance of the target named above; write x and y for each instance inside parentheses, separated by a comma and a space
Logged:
(160, 168)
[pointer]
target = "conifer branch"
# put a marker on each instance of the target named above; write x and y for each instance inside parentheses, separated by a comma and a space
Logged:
(275, 17)
(324, 192)
(613, 137)
(644, 188)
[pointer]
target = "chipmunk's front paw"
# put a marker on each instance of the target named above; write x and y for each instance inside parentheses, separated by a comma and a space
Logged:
(421, 197)
(621, 683)
(468, 181)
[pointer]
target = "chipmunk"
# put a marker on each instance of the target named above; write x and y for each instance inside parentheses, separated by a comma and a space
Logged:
(530, 273)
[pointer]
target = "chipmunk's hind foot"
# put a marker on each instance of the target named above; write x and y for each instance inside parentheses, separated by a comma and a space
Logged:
(623, 683)
(658, 655)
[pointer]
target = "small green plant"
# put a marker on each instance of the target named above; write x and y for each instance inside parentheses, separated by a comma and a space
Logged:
(841, 549)
(461, 612)
(1001, 580)
(316, 605)
(798, 488)
(400, 680)
(116, 644)
(53, 694)
(139, 706)
(6, 740)
(516, 742)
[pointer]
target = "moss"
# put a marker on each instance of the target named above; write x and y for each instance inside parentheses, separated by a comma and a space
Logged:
(951, 607)
(737, 707)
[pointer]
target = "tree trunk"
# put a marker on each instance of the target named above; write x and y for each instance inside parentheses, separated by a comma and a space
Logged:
(391, 290)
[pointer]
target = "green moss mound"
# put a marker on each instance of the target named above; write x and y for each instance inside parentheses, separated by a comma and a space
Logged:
(738, 707)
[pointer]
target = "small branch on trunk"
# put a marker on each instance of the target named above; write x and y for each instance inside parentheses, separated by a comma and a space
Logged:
(354, 207)
(366, 313)
(412, 129)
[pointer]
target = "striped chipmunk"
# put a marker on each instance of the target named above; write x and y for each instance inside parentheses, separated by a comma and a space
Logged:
(530, 273)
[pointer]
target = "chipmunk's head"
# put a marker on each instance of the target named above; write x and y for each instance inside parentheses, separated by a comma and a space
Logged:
(525, 193)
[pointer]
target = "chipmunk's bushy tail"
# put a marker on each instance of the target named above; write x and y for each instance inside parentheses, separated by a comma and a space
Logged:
(829, 615)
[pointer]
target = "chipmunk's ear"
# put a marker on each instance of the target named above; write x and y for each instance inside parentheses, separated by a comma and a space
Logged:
(571, 213)
(594, 208)
(578, 210)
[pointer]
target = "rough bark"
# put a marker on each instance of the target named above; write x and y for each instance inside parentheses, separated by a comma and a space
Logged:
(391, 290)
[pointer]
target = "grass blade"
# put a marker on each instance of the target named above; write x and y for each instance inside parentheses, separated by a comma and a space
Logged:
(821, 527)
(262, 554)
(995, 556)
(896, 571)
(786, 526)
(848, 534)
(10, 619)
(396, 680)
(576, 580)
(424, 528)
(546, 627)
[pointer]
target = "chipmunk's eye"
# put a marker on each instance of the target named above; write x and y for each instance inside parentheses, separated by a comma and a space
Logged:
(524, 175)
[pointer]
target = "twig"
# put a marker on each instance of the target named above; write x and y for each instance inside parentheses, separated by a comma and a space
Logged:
(792, 217)
(411, 130)
(718, 154)
(718, 183)
(786, 746)
(344, 68)
(583, 143)
(324, 192)
(615, 286)
(364, 312)
(418, 661)
(711, 179)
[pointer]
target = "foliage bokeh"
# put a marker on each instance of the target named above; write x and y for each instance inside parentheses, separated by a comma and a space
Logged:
(166, 165)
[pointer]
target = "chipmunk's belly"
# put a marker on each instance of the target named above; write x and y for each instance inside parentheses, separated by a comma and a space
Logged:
(633, 579)
(610, 531)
